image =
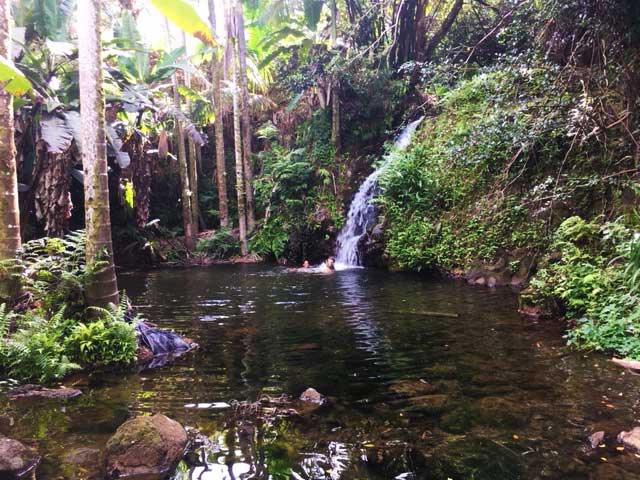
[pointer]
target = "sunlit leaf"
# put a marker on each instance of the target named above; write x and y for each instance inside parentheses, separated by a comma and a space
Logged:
(185, 17)
(13, 80)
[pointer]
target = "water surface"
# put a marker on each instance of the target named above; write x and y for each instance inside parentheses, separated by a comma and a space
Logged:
(477, 393)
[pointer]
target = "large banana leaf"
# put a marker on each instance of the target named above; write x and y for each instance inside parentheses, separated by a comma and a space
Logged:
(55, 133)
(13, 80)
(185, 17)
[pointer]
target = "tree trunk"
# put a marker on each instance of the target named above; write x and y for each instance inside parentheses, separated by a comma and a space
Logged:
(237, 135)
(221, 171)
(335, 87)
(9, 211)
(187, 216)
(193, 158)
(246, 119)
(103, 288)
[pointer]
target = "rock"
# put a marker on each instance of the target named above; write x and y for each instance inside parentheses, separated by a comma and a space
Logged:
(633, 365)
(530, 312)
(630, 439)
(431, 404)
(145, 448)
(596, 439)
(38, 391)
(143, 354)
(84, 463)
(313, 396)
(501, 412)
(411, 387)
(475, 458)
(17, 460)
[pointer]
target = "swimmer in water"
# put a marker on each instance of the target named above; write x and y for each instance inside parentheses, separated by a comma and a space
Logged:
(328, 265)
(305, 264)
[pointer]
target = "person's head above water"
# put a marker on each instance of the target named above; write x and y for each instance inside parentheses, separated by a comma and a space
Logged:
(305, 264)
(329, 262)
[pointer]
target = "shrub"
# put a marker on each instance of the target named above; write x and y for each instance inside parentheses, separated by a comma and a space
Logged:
(222, 244)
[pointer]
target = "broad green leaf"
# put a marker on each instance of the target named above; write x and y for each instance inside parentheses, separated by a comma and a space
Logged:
(185, 17)
(13, 80)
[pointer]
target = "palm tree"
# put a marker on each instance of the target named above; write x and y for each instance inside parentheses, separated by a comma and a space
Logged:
(103, 288)
(246, 120)
(183, 166)
(9, 212)
(193, 156)
(335, 91)
(221, 174)
(237, 136)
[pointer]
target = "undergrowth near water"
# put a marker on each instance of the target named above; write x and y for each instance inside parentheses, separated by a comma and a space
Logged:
(592, 277)
(52, 332)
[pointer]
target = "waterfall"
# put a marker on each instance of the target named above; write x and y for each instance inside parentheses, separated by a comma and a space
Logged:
(362, 212)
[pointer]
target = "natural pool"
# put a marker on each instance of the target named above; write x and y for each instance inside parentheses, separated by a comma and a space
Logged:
(474, 394)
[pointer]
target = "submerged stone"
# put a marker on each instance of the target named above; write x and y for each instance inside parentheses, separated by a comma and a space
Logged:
(476, 458)
(38, 391)
(313, 396)
(596, 438)
(431, 404)
(410, 387)
(145, 448)
(17, 460)
(501, 412)
(630, 439)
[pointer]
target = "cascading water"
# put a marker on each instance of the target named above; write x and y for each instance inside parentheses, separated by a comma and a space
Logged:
(362, 212)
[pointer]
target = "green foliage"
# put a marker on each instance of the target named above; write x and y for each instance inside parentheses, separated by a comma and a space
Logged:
(35, 347)
(270, 239)
(34, 350)
(592, 273)
(58, 334)
(102, 342)
(454, 182)
(54, 271)
(222, 244)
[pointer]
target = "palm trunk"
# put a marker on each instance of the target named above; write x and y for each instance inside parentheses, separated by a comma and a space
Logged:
(193, 159)
(335, 90)
(187, 215)
(103, 288)
(237, 135)
(9, 210)
(221, 171)
(246, 119)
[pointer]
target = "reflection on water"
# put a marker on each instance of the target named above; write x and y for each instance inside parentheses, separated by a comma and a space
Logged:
(482, 395)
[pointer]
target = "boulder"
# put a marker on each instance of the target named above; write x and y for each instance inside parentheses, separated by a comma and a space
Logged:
(630, 439)
(38, 391)
(145, 448)
(17, 460)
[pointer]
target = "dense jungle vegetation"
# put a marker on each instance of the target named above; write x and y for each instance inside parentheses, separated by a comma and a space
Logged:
(243, 129)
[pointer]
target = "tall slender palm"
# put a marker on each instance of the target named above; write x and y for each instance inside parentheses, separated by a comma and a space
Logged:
(9, 212)
(237, 136)
(335, 90)
(103, 287)
(216, 97)
(245, 109)
(193, 156)
(183, 166)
